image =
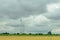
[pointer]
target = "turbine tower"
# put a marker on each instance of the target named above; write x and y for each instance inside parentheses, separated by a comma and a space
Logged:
(22, 29)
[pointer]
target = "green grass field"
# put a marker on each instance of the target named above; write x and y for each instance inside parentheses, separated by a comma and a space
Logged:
(29, 35)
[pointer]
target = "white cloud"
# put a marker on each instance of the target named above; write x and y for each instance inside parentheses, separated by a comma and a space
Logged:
(33, 22)
(56, 31)
(54, 15)
(53, 11)
(53, 7)
(36, 24)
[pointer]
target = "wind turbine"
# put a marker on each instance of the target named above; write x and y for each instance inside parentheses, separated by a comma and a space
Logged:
(22, 30)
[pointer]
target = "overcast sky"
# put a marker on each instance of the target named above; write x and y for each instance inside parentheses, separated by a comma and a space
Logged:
(36, 16)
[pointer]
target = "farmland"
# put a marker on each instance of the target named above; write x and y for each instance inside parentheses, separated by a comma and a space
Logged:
(29, 37)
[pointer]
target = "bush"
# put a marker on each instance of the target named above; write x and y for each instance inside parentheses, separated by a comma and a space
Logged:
(18, 33)
(30, 33)
(5, 33)
(40, 34)
(49, 33)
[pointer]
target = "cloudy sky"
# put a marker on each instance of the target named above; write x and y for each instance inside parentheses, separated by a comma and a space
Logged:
(30, 16)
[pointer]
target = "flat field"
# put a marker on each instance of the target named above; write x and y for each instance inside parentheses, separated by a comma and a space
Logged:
(29, 37)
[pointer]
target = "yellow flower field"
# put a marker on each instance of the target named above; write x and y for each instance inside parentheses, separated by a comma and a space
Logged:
(29, 37)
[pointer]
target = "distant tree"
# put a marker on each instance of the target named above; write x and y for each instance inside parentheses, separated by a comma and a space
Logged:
(30, 33)
(5, 33)
(23, 33)
(49, 33)
(40, 34)
(18, 33)
(36, 34)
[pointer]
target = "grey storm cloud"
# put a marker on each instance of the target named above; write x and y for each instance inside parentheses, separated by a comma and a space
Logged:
(14, 25)
(56, 15)
(21, 8)
(53, 12)
(53, 1)
(34, 13)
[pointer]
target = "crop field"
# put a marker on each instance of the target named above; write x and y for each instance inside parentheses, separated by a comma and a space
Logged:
(29, 37)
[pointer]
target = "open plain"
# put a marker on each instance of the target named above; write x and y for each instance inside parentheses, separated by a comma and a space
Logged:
(29, 37)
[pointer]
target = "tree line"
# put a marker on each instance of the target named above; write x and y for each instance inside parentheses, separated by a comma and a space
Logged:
(49, 33)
